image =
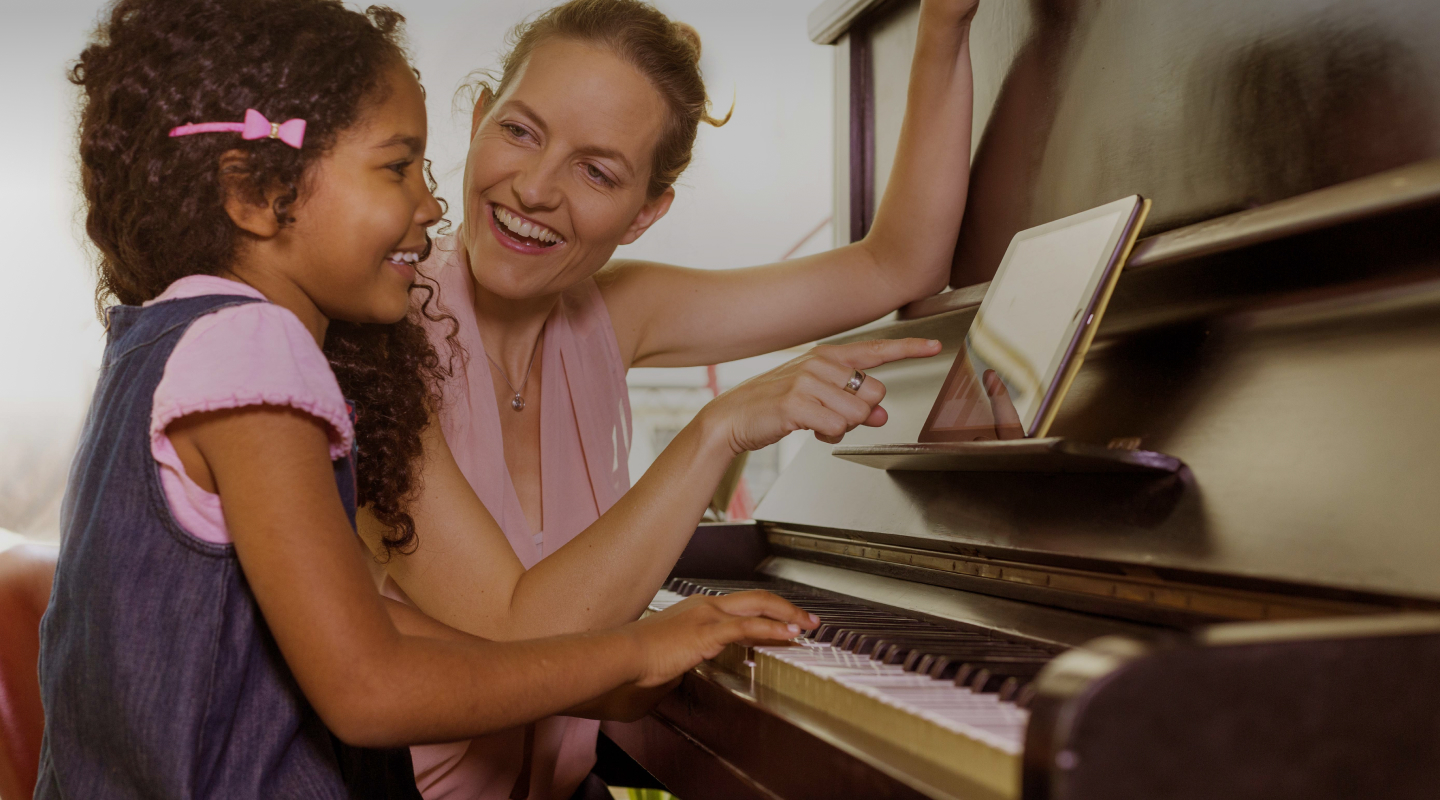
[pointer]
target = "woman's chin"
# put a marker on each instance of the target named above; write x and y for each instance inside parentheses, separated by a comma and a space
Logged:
(500, 279)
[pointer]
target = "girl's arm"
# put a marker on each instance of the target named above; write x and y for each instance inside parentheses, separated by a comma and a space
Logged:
(375, 685)
(671, 317)
(464, 573)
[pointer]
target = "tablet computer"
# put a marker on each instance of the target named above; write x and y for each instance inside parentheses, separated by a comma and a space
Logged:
(1033, 328)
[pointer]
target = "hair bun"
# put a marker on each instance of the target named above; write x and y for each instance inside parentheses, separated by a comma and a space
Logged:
(690, 35)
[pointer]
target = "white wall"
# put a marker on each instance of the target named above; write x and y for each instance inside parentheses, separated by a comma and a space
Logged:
(757, 186)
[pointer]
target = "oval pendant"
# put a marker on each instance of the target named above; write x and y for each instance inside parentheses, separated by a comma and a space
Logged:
(518, 403)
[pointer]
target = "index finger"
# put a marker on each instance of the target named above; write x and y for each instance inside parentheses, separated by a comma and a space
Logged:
(871, 354)
(757, 603)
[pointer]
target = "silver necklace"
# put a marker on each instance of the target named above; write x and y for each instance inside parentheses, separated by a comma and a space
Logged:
(517, 402)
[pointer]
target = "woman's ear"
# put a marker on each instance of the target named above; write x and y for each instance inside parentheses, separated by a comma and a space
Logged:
(251, 213)
(650, 213)
(482, 104)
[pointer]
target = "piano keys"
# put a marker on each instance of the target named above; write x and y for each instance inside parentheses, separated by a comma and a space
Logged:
(862, 667)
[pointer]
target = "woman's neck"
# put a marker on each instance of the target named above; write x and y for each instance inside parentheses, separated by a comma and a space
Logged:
(510, 329)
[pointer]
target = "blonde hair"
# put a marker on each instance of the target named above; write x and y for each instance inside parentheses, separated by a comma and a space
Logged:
(665, 52)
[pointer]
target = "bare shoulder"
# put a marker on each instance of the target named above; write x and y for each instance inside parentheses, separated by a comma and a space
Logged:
(631, 290)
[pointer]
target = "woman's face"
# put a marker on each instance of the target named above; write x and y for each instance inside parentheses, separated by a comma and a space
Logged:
(558, 171)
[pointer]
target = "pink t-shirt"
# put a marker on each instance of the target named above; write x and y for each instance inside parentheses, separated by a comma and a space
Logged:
(252, 354)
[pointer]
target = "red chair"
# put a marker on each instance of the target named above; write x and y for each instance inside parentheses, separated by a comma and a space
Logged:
(26, 573)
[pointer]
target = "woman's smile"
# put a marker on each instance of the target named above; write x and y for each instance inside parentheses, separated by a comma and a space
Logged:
(521, 234)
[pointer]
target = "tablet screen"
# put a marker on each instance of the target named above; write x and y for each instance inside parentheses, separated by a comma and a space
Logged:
(1026, 331)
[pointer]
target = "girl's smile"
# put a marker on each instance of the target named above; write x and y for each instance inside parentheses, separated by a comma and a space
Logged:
(403, 262)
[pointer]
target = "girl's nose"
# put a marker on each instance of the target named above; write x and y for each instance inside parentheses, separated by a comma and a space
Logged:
(429, 211)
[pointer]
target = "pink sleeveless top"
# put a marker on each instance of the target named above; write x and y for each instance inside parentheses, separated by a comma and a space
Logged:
(584, 462)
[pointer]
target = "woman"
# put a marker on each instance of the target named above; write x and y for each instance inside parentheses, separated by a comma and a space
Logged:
(572, 154)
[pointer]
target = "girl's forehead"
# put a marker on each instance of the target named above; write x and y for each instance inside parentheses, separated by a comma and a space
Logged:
(397, 110)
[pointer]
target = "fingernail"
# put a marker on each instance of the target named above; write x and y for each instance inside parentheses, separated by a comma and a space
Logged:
(932, 341)
(793, 628)
(814, 620)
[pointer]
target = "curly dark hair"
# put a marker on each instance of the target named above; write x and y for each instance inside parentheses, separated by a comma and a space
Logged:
(155, 204)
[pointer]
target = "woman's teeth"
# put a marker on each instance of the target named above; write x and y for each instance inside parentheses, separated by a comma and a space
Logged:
(404, 257)
(525, 228)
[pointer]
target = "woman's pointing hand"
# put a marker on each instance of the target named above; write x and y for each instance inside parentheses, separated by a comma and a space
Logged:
(814, 392)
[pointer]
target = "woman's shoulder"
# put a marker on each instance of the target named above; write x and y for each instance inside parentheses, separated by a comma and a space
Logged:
(585, 311)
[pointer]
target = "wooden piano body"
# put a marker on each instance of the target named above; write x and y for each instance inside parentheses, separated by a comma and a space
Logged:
(1261, 623)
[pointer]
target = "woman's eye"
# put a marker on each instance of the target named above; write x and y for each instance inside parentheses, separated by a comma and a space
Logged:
(514, 130)
(596, 174)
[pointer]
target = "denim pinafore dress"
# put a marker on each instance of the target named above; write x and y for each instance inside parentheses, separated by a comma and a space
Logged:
(158, 674)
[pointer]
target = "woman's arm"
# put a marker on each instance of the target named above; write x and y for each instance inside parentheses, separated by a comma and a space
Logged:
(671, 317)
(378, 685)
(465, 574)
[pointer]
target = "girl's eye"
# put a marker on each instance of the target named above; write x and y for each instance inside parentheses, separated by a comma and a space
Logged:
(598, 175)
(399, 167)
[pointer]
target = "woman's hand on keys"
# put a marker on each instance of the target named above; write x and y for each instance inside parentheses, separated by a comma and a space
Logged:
(699, 627)
(809, 393)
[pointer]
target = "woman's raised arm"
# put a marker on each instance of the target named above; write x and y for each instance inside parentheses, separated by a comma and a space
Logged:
(667, 316)
(465, 574)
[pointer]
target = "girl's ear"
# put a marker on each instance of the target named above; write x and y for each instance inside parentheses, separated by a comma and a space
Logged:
(650, 213)
(482, 105)
(250, 212)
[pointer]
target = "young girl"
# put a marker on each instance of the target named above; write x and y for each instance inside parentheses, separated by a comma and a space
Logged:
(253, 171)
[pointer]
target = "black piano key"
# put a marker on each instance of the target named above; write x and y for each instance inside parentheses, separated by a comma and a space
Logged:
(935, 635)
(983, 677)
(928, 659)
(986, 681)
(861, 641)
(830, 629)
(904, 650)
(1025, 695)
(912, 660)
(945, 667)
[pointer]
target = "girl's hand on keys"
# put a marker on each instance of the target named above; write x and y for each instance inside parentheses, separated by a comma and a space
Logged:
(809, 393)
(676, 639)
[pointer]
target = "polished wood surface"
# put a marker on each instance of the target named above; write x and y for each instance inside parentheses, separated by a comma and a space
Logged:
(1277, 332)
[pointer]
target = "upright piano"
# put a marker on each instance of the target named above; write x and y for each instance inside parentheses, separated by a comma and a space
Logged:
(1263, 622)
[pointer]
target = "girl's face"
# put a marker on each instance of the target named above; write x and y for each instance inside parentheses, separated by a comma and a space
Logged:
(360, 223)
(558, 171)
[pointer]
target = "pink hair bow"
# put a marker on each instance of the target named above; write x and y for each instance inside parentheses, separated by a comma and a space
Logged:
(255, 126)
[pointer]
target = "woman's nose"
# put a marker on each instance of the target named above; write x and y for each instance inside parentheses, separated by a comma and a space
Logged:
(537, 185)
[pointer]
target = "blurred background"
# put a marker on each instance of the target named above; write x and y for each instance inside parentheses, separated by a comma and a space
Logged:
(759, 189)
